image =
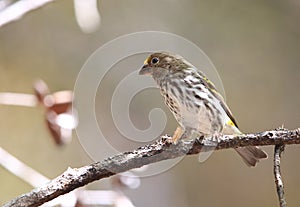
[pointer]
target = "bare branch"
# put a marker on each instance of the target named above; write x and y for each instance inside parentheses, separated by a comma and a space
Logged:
(158, 151)
(277, 173)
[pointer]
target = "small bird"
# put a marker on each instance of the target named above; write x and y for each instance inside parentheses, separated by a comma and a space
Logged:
(194, 101)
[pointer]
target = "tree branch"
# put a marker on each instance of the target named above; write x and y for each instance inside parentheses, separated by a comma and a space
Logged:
(158, 151)
(278, 180)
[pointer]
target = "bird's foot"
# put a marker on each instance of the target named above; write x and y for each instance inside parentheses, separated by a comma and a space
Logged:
(213, 140)
(176, 136)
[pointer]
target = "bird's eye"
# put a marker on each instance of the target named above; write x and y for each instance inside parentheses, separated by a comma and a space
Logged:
(154, 60)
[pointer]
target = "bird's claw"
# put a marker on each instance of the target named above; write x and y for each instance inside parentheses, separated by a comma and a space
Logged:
(213, 140)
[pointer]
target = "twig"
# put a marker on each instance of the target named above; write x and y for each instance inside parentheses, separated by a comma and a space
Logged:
(158, 151)
(278, 180)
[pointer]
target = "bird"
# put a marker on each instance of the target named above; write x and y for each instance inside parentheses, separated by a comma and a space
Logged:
(195, 102)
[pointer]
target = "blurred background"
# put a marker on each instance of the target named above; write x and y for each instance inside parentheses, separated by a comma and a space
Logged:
(255, 46)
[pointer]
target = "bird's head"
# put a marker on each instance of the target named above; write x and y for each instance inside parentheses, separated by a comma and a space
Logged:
(160, 64)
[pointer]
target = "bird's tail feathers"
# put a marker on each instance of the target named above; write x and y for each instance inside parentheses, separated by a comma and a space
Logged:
(251, 155)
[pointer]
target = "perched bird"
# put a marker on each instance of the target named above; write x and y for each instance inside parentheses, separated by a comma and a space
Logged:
(194, 101)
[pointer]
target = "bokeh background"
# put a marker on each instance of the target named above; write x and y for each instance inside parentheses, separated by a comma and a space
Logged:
(255, 46)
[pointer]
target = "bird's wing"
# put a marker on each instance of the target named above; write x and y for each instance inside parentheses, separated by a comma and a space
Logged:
(211, 87)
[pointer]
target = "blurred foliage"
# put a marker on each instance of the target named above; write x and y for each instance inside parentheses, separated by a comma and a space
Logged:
(255, 46)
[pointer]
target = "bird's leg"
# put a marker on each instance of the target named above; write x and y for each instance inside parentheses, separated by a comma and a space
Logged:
(176, 136)
(180, 133)
(209, 144)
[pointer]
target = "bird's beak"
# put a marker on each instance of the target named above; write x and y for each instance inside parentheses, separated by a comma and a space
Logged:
(145, 70)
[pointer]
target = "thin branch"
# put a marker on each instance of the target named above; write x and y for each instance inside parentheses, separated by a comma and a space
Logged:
(158, 151)
(277, 173)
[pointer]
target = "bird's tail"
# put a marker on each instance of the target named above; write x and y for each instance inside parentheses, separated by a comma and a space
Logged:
(251, 155)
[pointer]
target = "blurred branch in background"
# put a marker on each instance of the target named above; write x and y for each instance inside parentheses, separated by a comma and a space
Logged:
(18, 168)
(87, 15)
(86, 12)
(18, 99)
(59, 116)
(61, 120)
(16, 10)
(160, 150)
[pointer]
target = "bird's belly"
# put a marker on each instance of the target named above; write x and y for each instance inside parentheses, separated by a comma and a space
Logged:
(194, 115)
(200, 119)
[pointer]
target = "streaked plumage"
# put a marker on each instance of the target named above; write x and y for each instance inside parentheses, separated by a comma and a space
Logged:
(194, 101)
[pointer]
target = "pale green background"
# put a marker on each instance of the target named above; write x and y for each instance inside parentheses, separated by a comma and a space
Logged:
(255, 46)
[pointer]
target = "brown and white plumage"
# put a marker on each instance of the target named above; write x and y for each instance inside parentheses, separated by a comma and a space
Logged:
(194, 101)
